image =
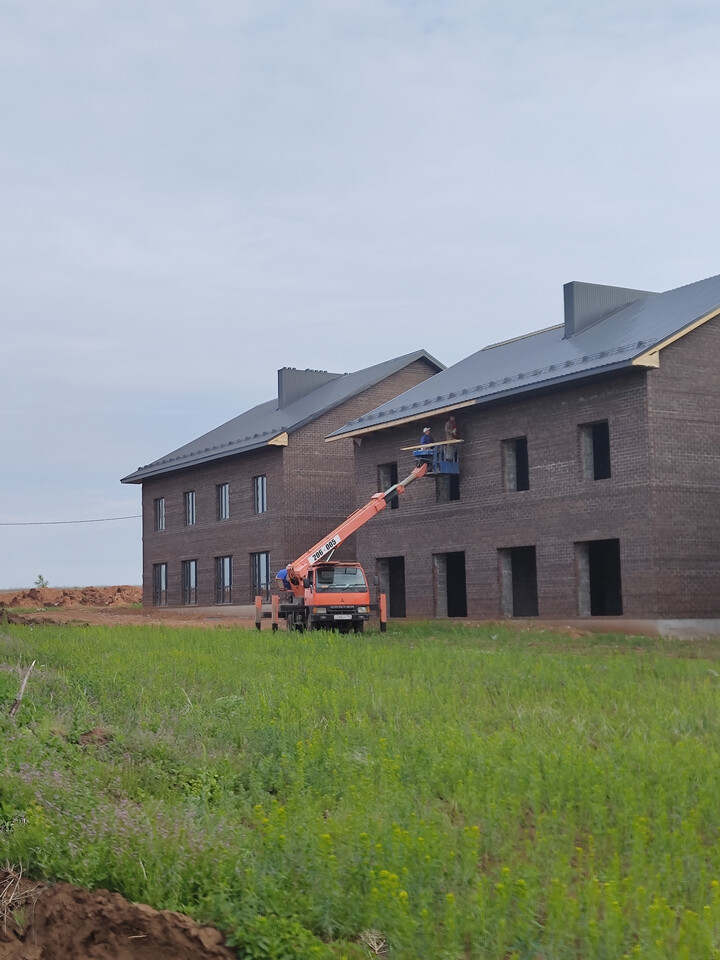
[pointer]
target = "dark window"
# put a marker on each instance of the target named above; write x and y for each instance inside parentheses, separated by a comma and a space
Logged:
(450, 584)
(599, 579)
(189, 581)
(515, 464)
(388, 477)
(160, 571)
(222, 491)
(391, 576)
(447, 487)
(595, 444)
(190, 508)
(223, 579)
(160, 513)
(518, 572)
(260, 494)
(260, 568)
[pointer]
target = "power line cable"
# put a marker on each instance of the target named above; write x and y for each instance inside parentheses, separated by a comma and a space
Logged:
(46, 523)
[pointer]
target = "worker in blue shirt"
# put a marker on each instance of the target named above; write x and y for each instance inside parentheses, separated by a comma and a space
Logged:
(426, 436)
(282, 576)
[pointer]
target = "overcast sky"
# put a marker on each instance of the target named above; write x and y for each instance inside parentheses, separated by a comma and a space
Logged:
(197, 192)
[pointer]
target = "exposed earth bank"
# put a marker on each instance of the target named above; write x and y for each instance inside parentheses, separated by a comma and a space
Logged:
(72, 597)
(62, 922)
(110, 605)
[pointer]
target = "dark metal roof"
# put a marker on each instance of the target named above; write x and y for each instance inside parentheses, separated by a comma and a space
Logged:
(260, 425)
(549, 357)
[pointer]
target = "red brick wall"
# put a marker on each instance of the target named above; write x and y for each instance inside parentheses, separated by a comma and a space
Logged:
(310, 488)
(242, 534)
(560, 508)
(684, 409)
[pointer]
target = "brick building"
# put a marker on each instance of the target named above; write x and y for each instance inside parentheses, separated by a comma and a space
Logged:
(223, 513)
(588, 479)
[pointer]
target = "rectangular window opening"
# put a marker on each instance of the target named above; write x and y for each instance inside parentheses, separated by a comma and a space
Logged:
(599, 580)
(515, 464)
(260, 494)
(391, 582)
(189, 582)
(190, 515)
(447, 487)
(595, 449)
(450, 584)
(260, 570)
(222, 491)
(160, 584)
(518, 581)
(160, 513)
(223, 579)
(388, 477)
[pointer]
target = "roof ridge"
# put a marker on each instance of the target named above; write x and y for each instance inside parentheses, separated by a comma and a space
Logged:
(521, 336)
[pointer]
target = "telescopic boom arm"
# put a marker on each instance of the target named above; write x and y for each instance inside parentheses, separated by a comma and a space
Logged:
(298, 569)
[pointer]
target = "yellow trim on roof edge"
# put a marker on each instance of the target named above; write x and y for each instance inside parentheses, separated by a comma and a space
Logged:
(398, 423)
(652, 357)
(281, 440)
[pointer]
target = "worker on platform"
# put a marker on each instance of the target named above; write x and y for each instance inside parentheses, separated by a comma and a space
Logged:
(425, 456)
(451, 433)
(282, 576)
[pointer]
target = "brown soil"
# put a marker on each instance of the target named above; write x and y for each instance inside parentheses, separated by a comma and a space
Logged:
(62, 922)
(110, 605)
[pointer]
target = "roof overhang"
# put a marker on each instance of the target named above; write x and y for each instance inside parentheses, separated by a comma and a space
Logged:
(557, 383)
(651, 358)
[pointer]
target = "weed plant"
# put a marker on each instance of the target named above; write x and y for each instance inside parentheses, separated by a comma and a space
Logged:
(436, 791)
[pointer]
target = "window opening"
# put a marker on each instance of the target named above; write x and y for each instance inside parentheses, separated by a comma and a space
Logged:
(516, 464)
(223, 579)
(391, 582)
(260, 494)
(260, 565)
(223, 501)
(450, 584)
(189, 581)
(599, 578)
(160, 513)
(518, 580)
(387, 477)
(190, 515)
(447, 487)
(160, 582)
(595, 444)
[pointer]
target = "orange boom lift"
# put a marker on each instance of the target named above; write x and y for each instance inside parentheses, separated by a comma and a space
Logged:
(334, 593)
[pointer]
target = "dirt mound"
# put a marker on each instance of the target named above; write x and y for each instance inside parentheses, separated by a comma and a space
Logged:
(58, 922)
(73, 597)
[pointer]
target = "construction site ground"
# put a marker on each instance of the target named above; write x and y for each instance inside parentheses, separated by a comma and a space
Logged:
(67, 921)
(123, 604)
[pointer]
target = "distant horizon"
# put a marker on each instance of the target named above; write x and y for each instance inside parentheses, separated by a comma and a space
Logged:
(85, 586)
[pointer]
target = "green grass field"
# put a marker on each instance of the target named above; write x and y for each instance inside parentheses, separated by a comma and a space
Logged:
(437, 791)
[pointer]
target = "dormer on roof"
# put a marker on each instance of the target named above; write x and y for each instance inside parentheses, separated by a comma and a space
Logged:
(586, 303)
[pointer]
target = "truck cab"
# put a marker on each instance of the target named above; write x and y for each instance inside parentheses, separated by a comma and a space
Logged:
(336, 596)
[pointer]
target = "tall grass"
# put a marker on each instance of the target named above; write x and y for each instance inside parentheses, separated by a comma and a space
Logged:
(444, 791)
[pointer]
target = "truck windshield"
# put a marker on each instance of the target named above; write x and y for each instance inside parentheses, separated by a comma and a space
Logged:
(336, 579)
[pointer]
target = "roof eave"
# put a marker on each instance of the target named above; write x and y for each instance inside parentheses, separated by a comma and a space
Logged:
(499, 395)
(148, 473)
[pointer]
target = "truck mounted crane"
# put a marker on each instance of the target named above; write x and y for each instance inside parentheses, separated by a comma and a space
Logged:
(335, 593)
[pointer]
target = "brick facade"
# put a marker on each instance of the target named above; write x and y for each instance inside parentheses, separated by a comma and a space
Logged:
(660, 501)
(309, 490)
